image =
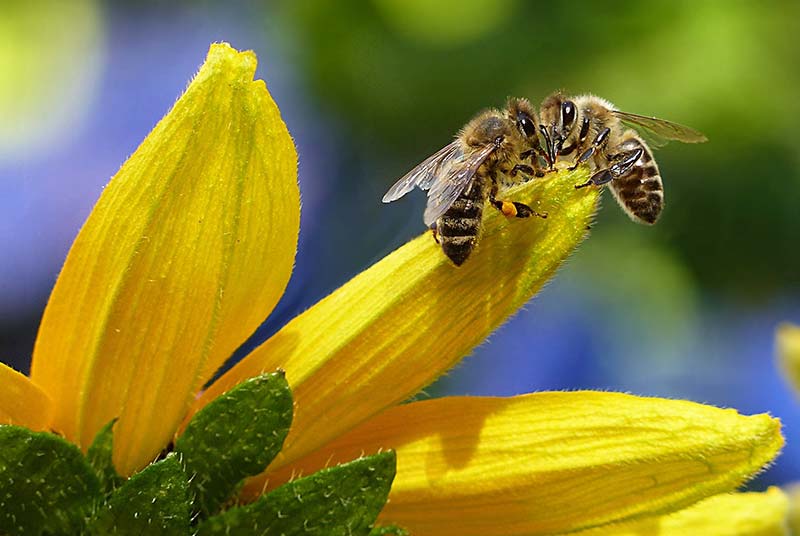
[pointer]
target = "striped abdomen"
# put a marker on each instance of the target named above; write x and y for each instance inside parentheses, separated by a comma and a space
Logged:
(458, 228)
(640, 191)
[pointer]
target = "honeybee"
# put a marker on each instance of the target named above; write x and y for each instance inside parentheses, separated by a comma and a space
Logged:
(589, 129)
(496, 147)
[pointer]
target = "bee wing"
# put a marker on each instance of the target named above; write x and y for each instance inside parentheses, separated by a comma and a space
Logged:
(653, 140)
(458, 176)
(424, 175)
(662, 128)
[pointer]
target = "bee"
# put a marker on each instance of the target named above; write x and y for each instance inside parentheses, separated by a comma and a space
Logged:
(590, 129)
(495, 148)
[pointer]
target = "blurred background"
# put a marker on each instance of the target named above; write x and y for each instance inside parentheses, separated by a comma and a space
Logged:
(685, 309)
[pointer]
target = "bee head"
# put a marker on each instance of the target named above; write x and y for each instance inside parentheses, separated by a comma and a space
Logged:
(486, 128)
(524, 117)
(559, 116)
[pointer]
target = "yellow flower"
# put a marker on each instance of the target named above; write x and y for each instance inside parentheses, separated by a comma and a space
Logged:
(191, 245)
(793, 516)
(735, 514)
(787, 340)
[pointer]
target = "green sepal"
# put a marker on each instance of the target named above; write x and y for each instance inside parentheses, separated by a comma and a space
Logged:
(235, 436)
(340, 501)
(389, 530)
(154, 501)
(46, 485)
(99, 455)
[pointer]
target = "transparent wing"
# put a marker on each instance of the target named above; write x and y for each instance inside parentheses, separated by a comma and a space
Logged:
(667, 130)
(653, 140)
(458, 177)
(424, 175)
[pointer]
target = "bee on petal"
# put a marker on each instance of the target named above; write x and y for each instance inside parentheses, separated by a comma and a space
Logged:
(494, 148)
(589, 129)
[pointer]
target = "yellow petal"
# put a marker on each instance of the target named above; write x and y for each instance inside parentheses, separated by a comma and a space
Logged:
(734, 514)
(23, 403)
(550, 462)
(788, 343)
(400, 324)
(186, 252)
(793, 491)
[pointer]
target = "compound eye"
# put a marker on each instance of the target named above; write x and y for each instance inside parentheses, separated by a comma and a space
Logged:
(526, 124)
(567, 113)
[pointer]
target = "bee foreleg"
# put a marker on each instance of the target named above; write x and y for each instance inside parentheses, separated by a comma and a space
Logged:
(549, 155)
(534, 155)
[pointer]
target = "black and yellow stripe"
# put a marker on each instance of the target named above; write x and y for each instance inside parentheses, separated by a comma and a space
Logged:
(459, 227)
(640, 191)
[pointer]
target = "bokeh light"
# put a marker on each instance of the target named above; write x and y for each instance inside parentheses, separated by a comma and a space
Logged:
(51, 54)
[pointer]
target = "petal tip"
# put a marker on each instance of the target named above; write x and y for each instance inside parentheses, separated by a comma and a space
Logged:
(765, 443)
(223, 57)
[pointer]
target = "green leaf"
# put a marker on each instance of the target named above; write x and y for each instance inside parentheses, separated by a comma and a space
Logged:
(154, 501)
(99, 455)
(45, 483)
(340, 501)
(235, 436)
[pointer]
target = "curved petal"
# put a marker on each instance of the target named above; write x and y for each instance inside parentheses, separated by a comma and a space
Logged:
(188, 249)
(403, 322)
(23, 403)
(550, 462)
(793, 491)
(788, 343)
(727, 514)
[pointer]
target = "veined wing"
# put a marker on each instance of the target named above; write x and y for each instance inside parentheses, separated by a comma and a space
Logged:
(446, 190)
(425, 174)
(662, 128)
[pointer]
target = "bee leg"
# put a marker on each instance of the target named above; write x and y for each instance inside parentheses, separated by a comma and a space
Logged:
(549, 156)
(597, 144)
(546, 158)
(507, 208)
(524, 211)
(435, 233)
(622, 165)
(601, 177)
(587, 154)
(511, 209)
(534, 155)
(514, 209)
(624, 162)
(527, 170)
